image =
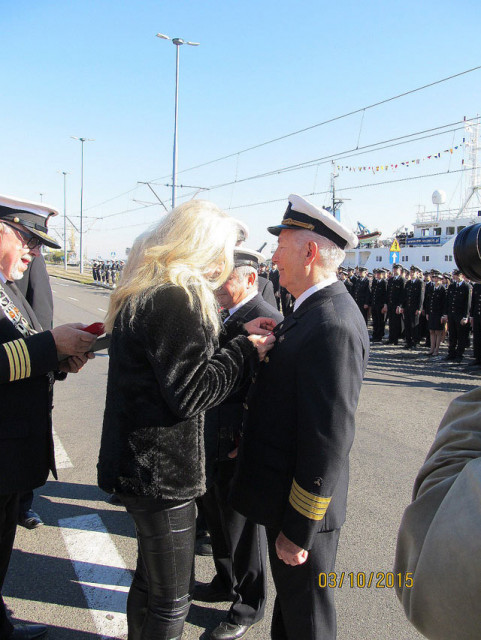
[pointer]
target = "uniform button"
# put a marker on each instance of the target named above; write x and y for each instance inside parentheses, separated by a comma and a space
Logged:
(253, 379)
(266, 359)
(245, 405)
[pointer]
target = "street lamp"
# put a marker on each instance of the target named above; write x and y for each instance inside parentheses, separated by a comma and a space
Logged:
(178, 42)
(82, 140)
(65, 174)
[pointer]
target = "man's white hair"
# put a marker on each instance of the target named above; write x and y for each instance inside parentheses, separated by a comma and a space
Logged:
(330, 255)
(243, 272)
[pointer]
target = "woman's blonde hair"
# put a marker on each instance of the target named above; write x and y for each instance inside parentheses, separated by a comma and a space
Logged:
(192, 248)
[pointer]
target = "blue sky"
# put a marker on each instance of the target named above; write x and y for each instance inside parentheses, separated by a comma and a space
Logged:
(263, 69)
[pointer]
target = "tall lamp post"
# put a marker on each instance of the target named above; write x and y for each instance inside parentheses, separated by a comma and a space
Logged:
(65, 174)
(82, 140)
(178, 42)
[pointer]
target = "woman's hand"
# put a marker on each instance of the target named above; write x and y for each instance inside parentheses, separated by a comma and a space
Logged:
(260, 326)
(263, 344)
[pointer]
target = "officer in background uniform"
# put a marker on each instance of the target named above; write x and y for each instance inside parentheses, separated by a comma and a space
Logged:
(395, 297)
(292, 472)
(362, 293)
(429, 285)
(342, 275)
(238, 545)
(378, 302)
(457, 313)
(412, 306)
(28, 360)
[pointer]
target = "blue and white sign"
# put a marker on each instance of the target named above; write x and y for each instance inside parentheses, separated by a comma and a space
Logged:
(393, 257)
(428, 241)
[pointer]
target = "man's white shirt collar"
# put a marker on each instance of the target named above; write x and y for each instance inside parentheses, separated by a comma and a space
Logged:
(317, 287)
(241, 304)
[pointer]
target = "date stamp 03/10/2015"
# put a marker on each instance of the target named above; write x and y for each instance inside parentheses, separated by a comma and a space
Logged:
(365, 580)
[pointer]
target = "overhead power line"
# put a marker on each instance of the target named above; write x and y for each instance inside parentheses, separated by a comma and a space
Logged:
(329, 121)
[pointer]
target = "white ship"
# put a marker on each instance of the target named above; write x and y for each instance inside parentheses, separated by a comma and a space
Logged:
(430, 244)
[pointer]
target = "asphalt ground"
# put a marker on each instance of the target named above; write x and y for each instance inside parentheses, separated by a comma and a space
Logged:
(73, 573)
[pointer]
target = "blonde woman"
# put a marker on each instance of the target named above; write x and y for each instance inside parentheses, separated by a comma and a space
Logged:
(165, 370)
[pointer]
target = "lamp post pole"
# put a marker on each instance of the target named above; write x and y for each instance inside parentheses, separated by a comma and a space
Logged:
(82, 140)
(64, 173)
(177, 42)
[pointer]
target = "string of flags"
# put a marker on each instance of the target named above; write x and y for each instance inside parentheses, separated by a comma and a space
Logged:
(399, 165)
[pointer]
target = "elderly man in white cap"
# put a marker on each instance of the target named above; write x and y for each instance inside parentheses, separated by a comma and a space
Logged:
(29, 363)
(292, 472)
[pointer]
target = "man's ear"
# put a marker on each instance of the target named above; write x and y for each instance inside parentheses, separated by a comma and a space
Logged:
(251, 278)
(311, 252)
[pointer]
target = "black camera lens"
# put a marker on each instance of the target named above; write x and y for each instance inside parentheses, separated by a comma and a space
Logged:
(467, 252)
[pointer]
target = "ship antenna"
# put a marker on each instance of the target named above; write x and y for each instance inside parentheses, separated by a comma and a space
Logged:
(472, 130)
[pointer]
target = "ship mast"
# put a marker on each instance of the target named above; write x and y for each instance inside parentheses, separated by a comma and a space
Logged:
(335, 202)
(471, 163)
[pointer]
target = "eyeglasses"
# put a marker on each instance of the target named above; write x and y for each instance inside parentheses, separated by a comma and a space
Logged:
(31, 242)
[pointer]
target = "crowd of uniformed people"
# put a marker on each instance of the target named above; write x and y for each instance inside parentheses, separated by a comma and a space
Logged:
(107, 272)
(414, 309)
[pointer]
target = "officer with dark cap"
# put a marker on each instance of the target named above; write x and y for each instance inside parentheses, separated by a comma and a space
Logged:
(362, 293)
(458, 305)
(292, 472)
(412, 306)
(239, 545)
(424, 331)
(395, 297)
(29, 363)
(378, 302)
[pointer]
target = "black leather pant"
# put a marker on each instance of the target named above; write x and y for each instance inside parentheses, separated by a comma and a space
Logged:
(161, 591)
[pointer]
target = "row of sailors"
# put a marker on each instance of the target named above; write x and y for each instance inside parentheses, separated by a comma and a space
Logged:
(107, 271)
(421, 305)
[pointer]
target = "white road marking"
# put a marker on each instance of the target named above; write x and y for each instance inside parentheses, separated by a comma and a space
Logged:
(60, 284)
(101, 572)
(62, 461)
(76, 299)
(104, 310)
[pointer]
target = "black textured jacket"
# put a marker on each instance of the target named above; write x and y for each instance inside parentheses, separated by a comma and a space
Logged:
(164, 372)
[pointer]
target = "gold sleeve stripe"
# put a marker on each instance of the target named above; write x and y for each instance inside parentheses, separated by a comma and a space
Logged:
(315, 509)
(18, 359)
(16, 363)
(11, 361)
(300, 508)
(311, 497)
(26, 355)
(307, 504)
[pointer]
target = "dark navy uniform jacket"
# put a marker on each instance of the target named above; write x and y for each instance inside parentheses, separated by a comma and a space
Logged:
(395, 291)
(458, 300)
(362, 291)
(224, 422)
(292, 473)
(378, 293)
(26, 445)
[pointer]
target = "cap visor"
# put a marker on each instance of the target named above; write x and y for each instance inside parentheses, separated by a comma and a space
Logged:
(277, 230)
(47, 240)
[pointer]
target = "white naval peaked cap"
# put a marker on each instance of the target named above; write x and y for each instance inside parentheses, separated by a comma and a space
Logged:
(32, 215)
(302, 214)
(244, 257)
